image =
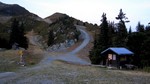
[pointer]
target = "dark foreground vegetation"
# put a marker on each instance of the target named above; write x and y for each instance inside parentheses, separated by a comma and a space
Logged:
(116, 35)
(16, 36)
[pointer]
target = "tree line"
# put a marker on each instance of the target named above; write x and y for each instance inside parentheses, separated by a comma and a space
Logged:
(117, 35)
(16, 36)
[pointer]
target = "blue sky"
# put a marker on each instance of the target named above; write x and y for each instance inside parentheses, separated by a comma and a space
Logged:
(90, 10)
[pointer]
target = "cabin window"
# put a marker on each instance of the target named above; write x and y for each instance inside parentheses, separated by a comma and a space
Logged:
(123, 59)
(114, 57)
(110, 56)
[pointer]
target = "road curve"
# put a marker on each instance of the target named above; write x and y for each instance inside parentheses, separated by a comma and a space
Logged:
(71, 57)
(86, 40)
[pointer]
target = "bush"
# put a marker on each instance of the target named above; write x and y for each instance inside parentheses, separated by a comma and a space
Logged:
(94, 57)
(146, 69)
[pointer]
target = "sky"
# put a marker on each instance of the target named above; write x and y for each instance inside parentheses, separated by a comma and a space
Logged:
(90, 10)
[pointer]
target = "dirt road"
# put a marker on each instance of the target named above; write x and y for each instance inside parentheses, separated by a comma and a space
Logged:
(71, 57)
(67, 68)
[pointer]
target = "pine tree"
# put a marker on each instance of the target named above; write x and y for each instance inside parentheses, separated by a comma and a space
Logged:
(95, 40)
(122, 31)
(3, 43)
(101, 42)
(23, 40)
(50, 38)
(130, 30)
(135, 43)
(147, 28)
(111, 33)
(140, 27)
(103, 38)
(14, 32)
(17, 35)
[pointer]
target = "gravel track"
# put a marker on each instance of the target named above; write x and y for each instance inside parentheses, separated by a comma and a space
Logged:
(69, 57)
(67, 68)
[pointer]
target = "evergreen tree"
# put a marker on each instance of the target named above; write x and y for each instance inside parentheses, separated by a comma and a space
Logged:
(50, 38)
(14, 32)
(145, 55)
(139, 43)
(122, 31)
(95, 40)
(23, 42)
(111, 33)
(135, 44)
(130, 30)
(17, 35)
(3, 43)
(103, 38)
(147, 28)
(139, 27)
(101, 42)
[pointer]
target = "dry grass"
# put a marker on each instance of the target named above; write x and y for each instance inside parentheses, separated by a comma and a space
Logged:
(9, 59)
(60, 72)
(78, 74)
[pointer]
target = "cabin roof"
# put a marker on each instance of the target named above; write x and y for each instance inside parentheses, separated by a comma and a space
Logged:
(119, 51)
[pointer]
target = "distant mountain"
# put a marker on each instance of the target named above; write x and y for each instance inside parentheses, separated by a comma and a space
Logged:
(12, 10)
(8, 11)
(54, 17)
(58, 16)
(63, 25)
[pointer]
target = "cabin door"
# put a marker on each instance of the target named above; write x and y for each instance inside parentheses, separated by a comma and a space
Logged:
(111, 61)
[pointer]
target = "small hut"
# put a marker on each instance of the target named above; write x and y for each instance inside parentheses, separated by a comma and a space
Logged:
(117, 57)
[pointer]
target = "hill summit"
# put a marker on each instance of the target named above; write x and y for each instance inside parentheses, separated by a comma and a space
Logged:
(12, 10)
(56, 16)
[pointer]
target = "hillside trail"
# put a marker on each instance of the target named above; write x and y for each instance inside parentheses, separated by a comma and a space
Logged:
(70, 57)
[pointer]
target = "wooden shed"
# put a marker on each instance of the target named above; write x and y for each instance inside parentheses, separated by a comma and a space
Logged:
(116, 57)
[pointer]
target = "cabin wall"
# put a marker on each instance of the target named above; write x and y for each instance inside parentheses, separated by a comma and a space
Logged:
(125, 59)
(114, 60)
(110, 59)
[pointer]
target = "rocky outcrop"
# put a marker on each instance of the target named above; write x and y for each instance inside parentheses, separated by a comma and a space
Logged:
(61, 46)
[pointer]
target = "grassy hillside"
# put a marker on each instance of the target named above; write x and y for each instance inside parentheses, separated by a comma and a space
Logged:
(29, 23)
(12, 10)
(59, 72)
(64, 29)
(9, 59)
(61, 24)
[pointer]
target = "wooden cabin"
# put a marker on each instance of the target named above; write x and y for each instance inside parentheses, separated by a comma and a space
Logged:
(117, 57)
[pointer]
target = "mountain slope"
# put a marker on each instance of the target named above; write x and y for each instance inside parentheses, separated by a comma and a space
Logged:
(56, 16)
(9, 12)
(64, 28)
(12, 10)
(61, 24)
